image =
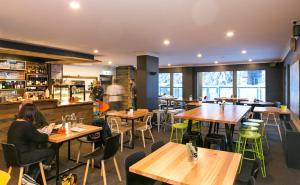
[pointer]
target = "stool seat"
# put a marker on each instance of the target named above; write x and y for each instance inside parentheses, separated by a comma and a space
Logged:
(180, 125)
(217, 139)
(250, 135)
(254, 129)
(252, 124)
(256, 120)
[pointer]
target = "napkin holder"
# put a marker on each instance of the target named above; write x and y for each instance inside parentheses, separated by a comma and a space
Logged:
(192, 151)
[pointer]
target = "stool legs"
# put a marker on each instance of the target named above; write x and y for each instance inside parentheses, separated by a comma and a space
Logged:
(42, 173)
(79, 151)
(86, 172)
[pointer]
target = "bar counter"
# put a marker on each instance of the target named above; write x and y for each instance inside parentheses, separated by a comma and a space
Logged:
(52, 110)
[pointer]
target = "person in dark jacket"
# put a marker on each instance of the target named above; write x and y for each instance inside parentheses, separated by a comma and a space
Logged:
(26, 137)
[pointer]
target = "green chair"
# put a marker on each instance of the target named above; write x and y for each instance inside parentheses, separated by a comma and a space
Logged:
(175, 127)
(255, 148)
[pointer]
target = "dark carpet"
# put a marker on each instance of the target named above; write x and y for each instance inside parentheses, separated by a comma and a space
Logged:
(277, 171)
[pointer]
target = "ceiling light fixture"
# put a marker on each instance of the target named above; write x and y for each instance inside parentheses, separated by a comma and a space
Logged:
(216, 62)
(166, 42)
(109, 62)
(74, 5)
(199, 55)
(244, 51)
(250, 60)
(229, 34)
(169, 65)
(96, 51)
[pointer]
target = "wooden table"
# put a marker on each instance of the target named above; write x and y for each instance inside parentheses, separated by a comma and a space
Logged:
(234, 100)
(259, 103)
(168, 100)
(214, 113)
(271, 110)
(58, 139)
(171, 164)
(124, 115)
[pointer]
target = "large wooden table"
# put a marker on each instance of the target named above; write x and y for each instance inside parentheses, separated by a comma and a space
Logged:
(214, 113)
(171, 164)
(124, 115)
(57, 139)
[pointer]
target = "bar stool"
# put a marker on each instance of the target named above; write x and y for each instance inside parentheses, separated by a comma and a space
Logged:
(217, 139)
(276, 123)
(178, 126)
(262, 128)
(256, 148)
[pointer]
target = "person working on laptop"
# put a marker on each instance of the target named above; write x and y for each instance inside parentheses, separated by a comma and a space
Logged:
(26, 137)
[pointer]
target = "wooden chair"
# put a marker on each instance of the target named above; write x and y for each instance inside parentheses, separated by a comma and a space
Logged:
(12, 160)
(116, 126)
(143, 126)
(110, 149)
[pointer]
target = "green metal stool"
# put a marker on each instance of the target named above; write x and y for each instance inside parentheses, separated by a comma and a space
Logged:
(263, 130)
(178, 126)
(256, 148)
(251, 124)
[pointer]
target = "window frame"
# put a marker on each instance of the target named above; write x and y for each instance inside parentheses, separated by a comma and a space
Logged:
(172, 83)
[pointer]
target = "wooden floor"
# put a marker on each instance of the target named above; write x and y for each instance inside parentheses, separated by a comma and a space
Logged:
(277, 171)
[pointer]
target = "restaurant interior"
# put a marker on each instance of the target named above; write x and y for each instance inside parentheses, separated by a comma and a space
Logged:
(150, 92)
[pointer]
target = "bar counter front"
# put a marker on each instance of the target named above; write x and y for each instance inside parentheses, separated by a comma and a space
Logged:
(52, 110)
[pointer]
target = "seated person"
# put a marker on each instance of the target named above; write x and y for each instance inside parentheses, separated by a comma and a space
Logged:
(40, 120)
(26, 137)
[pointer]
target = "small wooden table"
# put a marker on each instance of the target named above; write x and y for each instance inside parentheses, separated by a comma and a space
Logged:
(171, 164)
(124, 115)
(259, 103)
(271, 110)
(214, 113)
(233, 100)
(57, 139)
(168, 100)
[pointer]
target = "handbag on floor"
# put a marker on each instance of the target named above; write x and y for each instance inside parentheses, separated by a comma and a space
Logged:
(70, 179)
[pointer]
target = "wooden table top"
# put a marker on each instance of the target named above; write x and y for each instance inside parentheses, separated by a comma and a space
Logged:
(59, 138)
(231, 114)
(258, 103)
(231, 99)
(123, 114)
(271, 110)
(171, 164)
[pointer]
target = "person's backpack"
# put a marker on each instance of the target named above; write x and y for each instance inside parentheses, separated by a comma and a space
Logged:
(70, 179)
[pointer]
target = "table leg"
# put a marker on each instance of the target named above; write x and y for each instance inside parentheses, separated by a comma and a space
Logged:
(69, 149)
(189, 128)
(57, 162)
(132, 127)
(158, 120)
(229, 138)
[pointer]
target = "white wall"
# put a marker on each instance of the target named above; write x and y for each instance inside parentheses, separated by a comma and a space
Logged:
(91, 70)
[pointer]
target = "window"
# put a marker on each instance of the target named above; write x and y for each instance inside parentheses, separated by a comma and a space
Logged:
(217, 84)
(251, 84)
(164, 84)
(170, 84)
(177, 85)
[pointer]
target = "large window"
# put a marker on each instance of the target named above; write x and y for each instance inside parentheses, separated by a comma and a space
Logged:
(177, 85)
(164, 84)
(217, 84)
(170, 84)
(251, 84)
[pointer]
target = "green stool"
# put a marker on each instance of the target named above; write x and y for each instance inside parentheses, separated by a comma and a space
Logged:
(250, 124)
(196, 125)
(263, 130)
(256, 148)
(178, 126)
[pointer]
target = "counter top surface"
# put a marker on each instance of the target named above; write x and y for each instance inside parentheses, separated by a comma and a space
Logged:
(35, 101)
(74, 104)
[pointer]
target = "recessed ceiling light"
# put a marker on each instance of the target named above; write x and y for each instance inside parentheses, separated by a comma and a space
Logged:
(74, 5)
(166, 42)
(109, 62)
(96, 51)
(216, 62)
(229, 34)
(250, 60)
(244, 51)
(199, 55)
(169, 65)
